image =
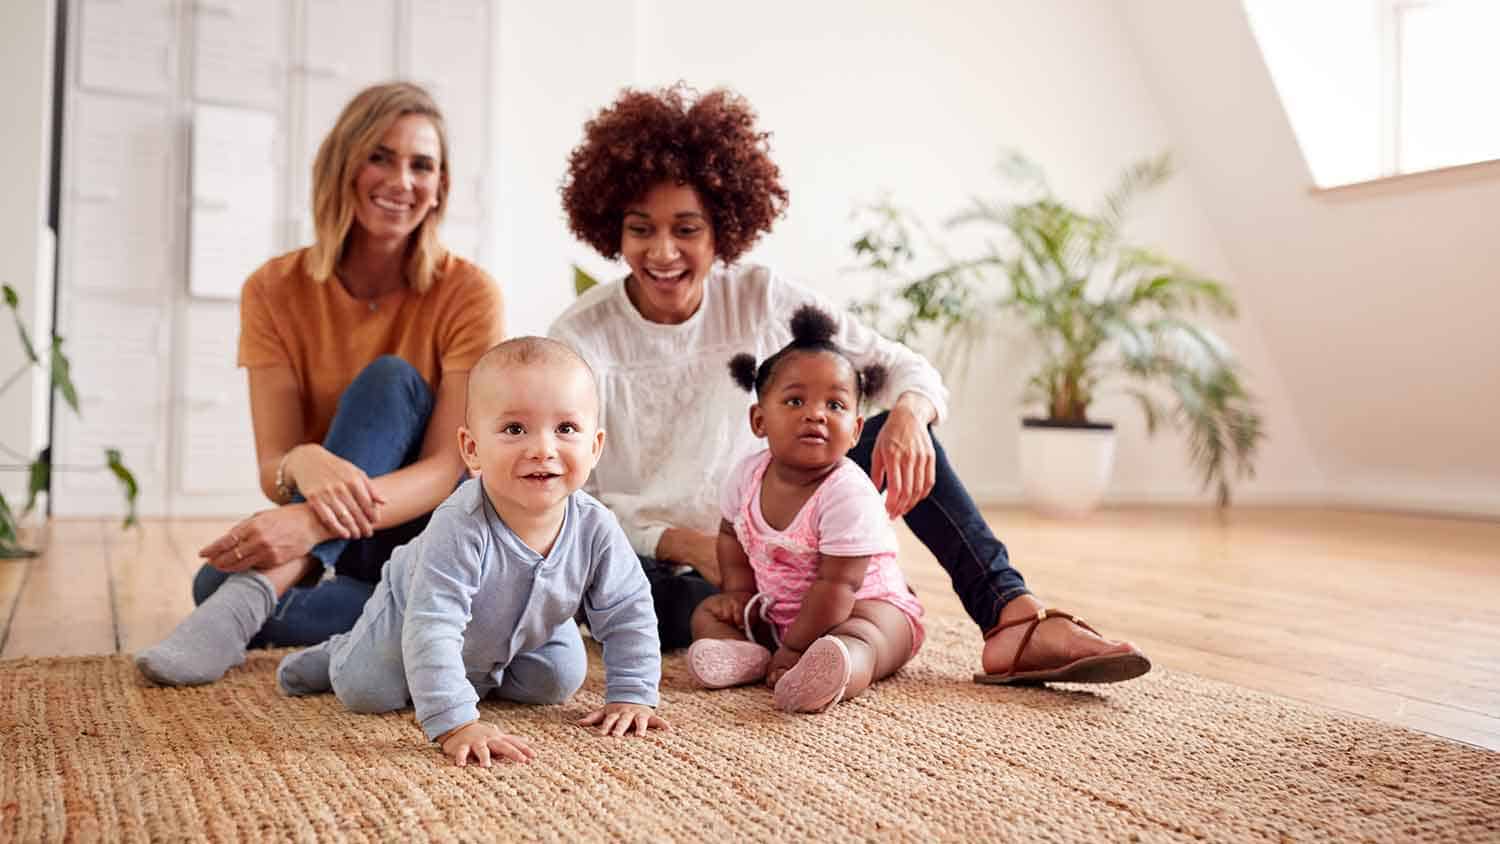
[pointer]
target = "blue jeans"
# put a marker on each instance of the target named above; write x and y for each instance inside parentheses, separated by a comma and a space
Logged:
(947, 521)
(379, 426)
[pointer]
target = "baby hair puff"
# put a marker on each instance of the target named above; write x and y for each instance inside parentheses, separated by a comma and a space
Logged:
(812, 330)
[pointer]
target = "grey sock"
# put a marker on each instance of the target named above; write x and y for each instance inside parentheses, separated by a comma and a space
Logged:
(306, 672)
(212, 639)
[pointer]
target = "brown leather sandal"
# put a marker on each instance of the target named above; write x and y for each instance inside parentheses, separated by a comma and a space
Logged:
(1108, 668)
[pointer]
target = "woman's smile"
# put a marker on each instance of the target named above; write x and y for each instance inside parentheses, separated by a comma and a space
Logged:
(667, 240)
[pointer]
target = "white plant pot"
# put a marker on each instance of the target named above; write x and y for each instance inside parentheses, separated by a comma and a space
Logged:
(1065, 469)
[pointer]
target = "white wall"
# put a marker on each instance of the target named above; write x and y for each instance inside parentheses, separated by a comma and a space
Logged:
(865, 97)
(556, 67)
(1379, 304)
(25, 246)
(1363, 318)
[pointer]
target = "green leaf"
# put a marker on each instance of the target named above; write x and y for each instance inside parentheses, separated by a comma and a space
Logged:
(10, 542)
(1149, 408)
(14, 301)
(62, 380)
(1099, 308)
(582, 281)
(38, 477)
(127, 482)
(1137, 178)
(7, 520)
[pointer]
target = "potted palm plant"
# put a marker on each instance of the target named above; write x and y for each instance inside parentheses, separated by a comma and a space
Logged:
(1103, 315)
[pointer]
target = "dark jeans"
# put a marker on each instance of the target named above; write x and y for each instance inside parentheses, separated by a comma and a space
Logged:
(947, 521)
(381, 419)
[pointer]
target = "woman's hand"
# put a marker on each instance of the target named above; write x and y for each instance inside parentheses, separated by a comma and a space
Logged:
(904, 462)
(265, 540)
(339, 492)
(691, 548)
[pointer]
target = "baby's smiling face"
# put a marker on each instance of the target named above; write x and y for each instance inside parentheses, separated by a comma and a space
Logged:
(533, 434)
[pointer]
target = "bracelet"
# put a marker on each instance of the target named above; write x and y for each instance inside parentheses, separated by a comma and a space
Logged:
(284, 489)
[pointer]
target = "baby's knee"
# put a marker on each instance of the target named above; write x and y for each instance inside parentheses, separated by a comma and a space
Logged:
(560, 684)
(702, 621)
(864, 630)
(368, 693)
(368, 696)
(554, 681)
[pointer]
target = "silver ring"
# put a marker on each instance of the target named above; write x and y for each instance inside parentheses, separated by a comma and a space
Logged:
(237, 555)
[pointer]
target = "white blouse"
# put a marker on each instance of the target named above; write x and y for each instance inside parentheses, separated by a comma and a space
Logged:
(676, 422)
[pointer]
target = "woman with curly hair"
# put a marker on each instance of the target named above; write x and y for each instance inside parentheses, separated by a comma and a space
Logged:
(681, 186)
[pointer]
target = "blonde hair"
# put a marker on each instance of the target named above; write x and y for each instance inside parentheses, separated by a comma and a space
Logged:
(347, 147)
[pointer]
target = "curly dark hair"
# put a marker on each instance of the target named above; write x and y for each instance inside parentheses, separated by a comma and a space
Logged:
(812, 331)
(645, 138)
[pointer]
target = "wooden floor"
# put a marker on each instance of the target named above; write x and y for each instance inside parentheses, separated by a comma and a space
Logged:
(1391, 617)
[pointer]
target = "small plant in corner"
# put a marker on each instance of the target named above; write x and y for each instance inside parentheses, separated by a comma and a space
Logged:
(1103, 314)
(39, 469)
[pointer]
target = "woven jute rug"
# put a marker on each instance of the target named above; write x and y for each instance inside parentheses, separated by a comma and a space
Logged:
(89, 751)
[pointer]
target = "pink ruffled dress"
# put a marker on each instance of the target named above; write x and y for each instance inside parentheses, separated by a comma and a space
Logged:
(845, 517)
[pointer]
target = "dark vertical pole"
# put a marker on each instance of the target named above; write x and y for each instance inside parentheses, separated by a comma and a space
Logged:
(54, 203)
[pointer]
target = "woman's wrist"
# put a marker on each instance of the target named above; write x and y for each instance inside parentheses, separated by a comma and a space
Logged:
(286, 482)
(314, 531)
(918, 405)
(683, 545)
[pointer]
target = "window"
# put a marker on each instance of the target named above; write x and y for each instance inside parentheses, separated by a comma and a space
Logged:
(1447, 101)
(1379, 88)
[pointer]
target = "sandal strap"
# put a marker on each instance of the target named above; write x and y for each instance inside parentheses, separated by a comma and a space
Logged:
(1035, 620)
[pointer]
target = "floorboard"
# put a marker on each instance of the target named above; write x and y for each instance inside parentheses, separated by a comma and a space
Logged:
(1386, 616)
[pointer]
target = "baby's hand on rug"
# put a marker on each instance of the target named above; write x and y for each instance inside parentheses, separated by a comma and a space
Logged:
(483, 741)
(618, 718)
(781, 662)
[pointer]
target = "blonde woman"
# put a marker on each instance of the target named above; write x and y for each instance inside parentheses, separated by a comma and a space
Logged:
(358, 350)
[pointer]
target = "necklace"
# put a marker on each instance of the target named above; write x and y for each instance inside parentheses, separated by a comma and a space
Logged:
(371, 302)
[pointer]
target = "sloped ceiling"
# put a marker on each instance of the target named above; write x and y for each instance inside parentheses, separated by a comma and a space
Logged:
(1378, 305)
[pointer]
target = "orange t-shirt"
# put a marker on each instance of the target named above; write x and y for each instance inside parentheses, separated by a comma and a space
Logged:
(327, 336)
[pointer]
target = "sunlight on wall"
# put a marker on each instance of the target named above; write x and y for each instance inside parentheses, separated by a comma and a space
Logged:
(1377, 88)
